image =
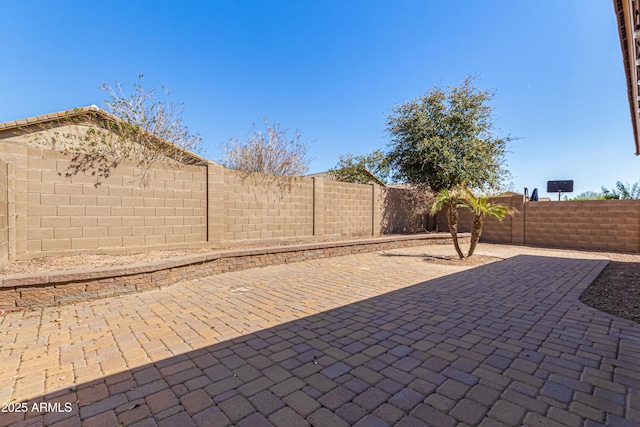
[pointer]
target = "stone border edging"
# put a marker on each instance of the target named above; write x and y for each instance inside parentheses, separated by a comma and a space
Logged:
(63, 287)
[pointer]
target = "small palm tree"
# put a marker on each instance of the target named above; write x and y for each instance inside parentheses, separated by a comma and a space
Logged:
(451, 199)
(625, 192)
(482, 208)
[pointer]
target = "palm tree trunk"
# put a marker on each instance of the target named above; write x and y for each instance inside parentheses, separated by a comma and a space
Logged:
(453, 227)
(476, 232)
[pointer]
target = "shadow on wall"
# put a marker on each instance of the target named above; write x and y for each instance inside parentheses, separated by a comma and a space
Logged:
(405, 211)
(323, 366)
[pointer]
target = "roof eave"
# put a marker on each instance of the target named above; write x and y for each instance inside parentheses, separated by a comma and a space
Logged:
(626, 11)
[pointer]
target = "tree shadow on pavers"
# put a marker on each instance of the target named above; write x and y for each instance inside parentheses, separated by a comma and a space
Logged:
(508, 341)
(391, 254)
(428, 256)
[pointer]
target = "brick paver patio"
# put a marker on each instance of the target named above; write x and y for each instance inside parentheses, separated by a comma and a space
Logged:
(369, 340)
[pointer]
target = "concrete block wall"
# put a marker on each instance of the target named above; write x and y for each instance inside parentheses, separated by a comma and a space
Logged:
(465, 220)
(505, 231)
(259, 207)
(48, 213)
(508, 231)
(608, 225)
(404, 211)
(589, 224)
(58, 215)
(215, 204)
(42, 212)
(348, 209)
(179, 206)
(4, 216)
(15, 155)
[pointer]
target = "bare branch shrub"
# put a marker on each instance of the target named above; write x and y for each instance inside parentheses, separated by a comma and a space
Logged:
(136, 127)
(270, 152)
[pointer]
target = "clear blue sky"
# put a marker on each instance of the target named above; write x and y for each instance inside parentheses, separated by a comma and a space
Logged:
(332, 70)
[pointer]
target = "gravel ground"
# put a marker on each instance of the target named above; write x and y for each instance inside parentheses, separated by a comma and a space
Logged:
(75, 262)
(616, 290)
(465, 262)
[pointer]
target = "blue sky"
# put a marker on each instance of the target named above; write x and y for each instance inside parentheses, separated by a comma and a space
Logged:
(333, 69)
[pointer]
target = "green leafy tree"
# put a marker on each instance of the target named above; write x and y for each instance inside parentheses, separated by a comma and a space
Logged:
(358, 169)
(622, 191)
(445, 140)
(587, 195)
(482, 208)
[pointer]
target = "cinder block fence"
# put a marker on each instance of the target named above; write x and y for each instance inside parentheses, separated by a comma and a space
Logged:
(4, 215)
(607, 225)
(44, 212)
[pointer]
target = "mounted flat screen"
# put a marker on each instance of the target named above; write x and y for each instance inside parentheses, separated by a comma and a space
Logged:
(563, 186)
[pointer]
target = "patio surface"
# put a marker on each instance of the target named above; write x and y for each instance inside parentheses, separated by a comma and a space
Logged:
(370, 340)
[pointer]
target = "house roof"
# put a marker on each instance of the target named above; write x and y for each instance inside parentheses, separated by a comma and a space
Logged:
(45, 118)
(330, 176)
(402, 185)
(629, 31)
(90, 112)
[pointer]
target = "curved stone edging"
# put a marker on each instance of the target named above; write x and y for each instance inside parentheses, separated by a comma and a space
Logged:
(64, 287)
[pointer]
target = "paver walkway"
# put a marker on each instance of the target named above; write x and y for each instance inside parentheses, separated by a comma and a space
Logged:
(369, 340)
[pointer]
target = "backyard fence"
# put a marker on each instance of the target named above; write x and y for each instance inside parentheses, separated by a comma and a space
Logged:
(43, 212)
(4, 216)
(608, 225)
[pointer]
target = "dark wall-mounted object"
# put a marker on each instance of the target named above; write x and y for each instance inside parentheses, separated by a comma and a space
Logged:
(560, 186)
